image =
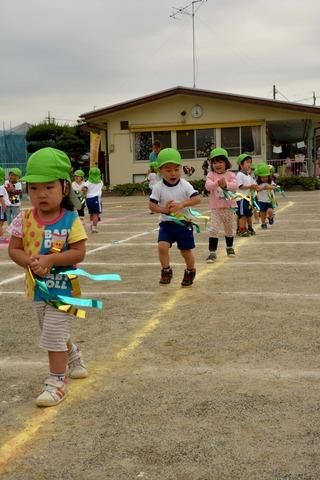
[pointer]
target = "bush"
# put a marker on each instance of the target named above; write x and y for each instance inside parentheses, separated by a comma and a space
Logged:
(198, 185)
(128, 189)
(306, 183)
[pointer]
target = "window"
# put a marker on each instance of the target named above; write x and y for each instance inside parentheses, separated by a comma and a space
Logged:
(144, 141)
(139, 177)
(237, 140)
(195, 143)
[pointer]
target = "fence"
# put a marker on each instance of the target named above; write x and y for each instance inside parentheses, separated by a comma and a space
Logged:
(288, 167)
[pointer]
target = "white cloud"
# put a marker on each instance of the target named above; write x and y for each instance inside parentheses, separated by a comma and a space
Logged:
(68, 56)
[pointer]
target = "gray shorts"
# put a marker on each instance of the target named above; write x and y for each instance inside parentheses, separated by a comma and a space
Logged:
(54, 325)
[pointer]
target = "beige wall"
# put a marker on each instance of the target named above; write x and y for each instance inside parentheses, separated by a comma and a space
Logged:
(165, 114)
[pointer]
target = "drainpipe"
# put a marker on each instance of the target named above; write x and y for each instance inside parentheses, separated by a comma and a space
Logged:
(310, 146)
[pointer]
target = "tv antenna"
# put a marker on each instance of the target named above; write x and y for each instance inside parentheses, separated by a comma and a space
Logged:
(186, 11)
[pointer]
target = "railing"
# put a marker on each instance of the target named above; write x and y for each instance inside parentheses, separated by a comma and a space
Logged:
(288, 167)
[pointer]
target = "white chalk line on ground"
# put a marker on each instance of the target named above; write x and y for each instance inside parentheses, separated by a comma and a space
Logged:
(88, 294)
(267, 294)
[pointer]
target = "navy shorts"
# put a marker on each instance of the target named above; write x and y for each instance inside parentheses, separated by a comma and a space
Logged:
(172, 232)
(244, 209)
(94, 205)
(264, 206)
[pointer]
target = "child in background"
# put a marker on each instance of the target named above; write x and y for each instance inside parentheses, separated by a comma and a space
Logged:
(93, 193)
(221, 209)
(50, 235)
(152, 178)
(4, 201)
(14, 190)
(245, 184)
(172, 195)
(265, 186)
(77, 186)
(156, 148)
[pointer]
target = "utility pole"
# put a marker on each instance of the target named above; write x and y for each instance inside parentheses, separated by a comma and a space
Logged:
(274, 92)
(314, 98)
(184, 11)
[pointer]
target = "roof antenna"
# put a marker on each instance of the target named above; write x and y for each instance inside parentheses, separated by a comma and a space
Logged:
(185, 11)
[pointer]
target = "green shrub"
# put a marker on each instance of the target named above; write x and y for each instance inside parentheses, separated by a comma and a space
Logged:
(198, 185)
(128, 189)
(307, 183)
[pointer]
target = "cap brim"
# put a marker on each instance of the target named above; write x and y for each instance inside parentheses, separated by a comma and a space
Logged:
(38, 179)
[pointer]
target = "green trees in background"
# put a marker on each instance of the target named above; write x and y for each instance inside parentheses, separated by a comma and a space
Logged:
(74, 141)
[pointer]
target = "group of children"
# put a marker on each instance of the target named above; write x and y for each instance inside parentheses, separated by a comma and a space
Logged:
(10, 197)
(229, 193)
(48, 239)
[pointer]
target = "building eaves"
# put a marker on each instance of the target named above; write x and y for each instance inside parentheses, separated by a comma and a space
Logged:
(179, 90)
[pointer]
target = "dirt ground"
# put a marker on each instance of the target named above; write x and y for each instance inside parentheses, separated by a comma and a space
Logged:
(217, 382)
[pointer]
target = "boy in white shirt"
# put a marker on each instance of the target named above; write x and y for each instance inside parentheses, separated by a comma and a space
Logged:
(14, 190)
(173, 195)
(93, 191)
(245, 184)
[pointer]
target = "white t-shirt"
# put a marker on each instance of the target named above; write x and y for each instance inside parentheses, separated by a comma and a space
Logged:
(4, 194)
(153, 178)
(162, 193)
(14, 199)
(244, 179)
(93, 189)
(77, 187)
(263, 195)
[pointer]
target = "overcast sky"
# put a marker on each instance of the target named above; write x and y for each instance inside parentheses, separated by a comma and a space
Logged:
(68, 57)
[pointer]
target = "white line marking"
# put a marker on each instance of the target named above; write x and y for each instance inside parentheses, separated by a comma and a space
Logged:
(119, 242)
(270, 294)
(88, 294)
(12, 279)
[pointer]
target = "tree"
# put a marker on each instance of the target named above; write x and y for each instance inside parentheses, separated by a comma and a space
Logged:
(74, 141)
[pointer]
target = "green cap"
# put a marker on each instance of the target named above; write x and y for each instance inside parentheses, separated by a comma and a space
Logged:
(94, 175)
(1, 175)
(271, 169)
(79, 173)
(47, 165)
(16, 171)
(168, 155)
(262, 170)
(242, 157)
(218, 152)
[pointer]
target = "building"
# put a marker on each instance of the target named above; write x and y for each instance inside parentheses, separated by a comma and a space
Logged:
(190, 119)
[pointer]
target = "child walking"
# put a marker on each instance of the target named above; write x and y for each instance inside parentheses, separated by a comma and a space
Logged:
(245, 184)
(14, 190)
(172, 195)
(265, 187)
(93, 192)
(44, 240)
(77, 186)
(220, 178)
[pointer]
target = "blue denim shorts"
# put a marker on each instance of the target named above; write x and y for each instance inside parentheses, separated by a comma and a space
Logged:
(171, 232)
(264, 206)
(94, 205)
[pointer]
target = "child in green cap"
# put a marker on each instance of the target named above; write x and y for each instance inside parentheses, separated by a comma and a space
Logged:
(93, 192)
(78, 186)
(245, 184)
(265, 188)
(172, 195)
(46, 240)
(14, 189)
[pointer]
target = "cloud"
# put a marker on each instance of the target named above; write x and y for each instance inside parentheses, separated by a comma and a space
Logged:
(67, 57)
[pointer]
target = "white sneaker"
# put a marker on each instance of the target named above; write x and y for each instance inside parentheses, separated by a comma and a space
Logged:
(212, 257)
(54, 391)
(76, 365)
(94, 229)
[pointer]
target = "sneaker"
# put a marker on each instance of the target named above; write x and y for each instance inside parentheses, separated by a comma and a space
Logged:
(230, 251)
(251, 231)
(76, 366)
(54, 391)
(264, 226)
(212, 257)
(166, 276)
(243, 234)
(271, 220)
(94, 229)
(188, 278)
